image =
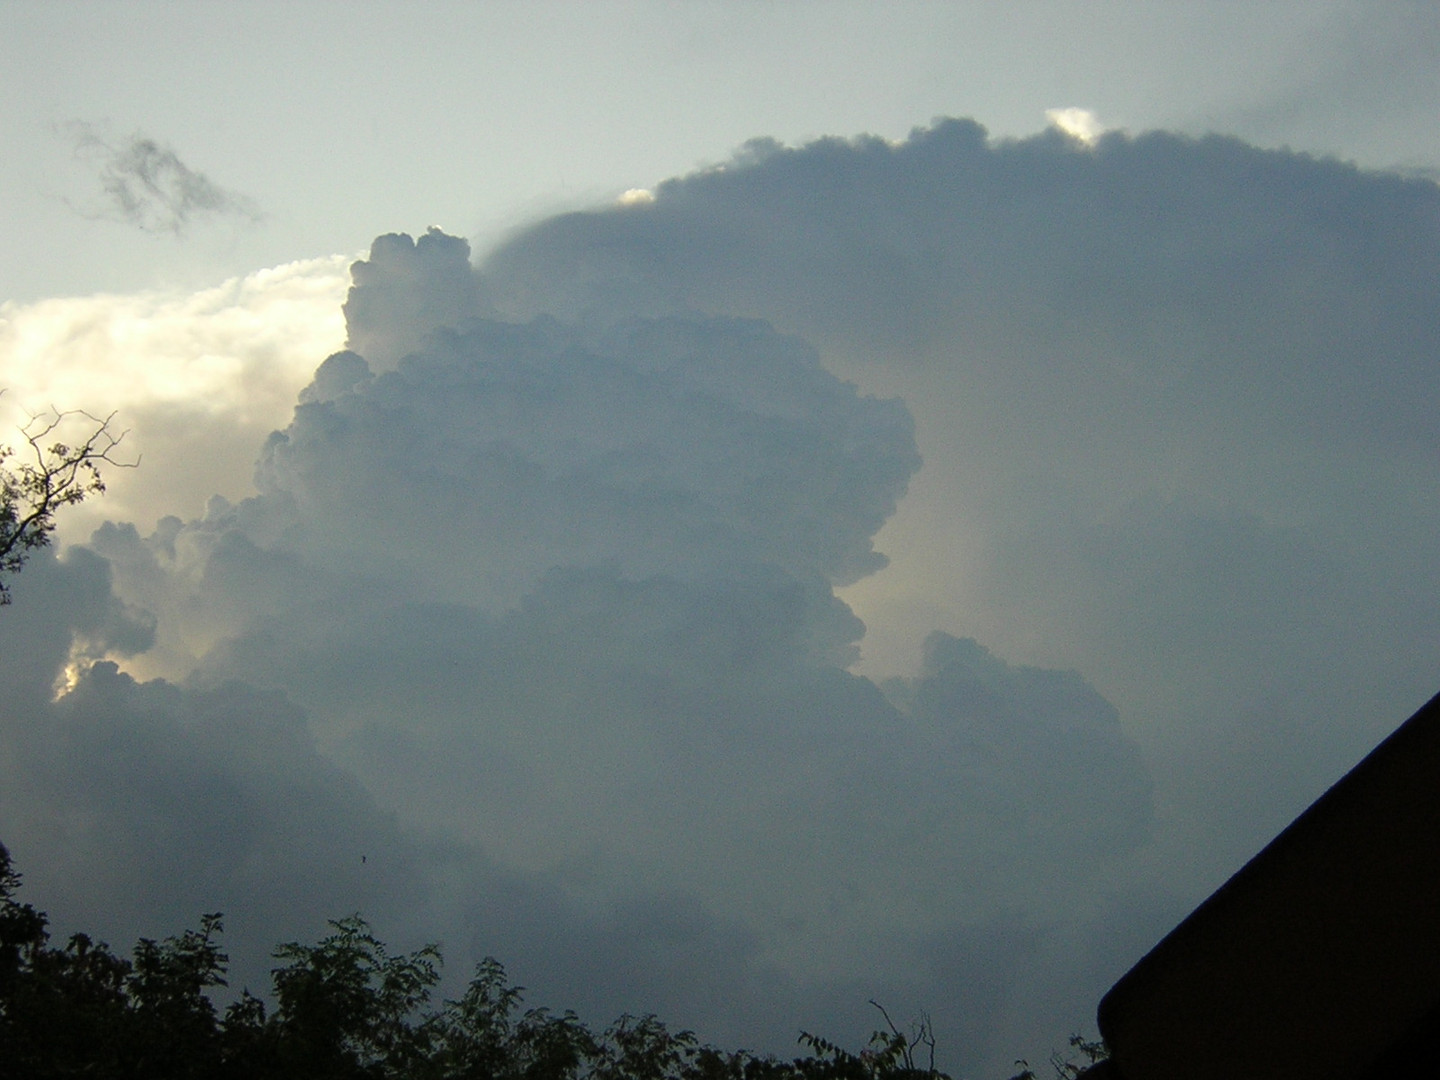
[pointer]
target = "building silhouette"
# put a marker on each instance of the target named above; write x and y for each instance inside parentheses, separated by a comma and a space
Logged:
(1320, 958)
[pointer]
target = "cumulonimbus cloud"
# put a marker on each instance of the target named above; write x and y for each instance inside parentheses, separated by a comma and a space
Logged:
(561, 597)
(546, 586)
(1175, 396)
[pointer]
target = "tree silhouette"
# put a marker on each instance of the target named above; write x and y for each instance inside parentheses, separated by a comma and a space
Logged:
(48, 478)
(345, 1009)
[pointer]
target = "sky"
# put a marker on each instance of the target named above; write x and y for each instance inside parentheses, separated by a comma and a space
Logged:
(734, 509)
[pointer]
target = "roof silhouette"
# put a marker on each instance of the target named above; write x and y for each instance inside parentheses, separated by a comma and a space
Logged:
(1320, 958)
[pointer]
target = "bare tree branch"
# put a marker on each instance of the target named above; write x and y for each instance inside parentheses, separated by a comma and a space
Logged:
(53, 476)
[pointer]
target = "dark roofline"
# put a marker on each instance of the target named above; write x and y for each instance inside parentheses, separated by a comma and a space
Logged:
(1319, 954)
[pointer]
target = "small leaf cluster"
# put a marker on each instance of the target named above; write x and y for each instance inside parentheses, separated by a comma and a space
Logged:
(1084, 1055)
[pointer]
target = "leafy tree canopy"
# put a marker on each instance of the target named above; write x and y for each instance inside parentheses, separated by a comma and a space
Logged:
(345, 1009)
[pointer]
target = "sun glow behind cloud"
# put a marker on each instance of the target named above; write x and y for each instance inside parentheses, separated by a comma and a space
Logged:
(1080, 124)
(224, 364)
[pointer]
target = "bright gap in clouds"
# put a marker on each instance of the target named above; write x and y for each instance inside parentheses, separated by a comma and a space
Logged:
(1081, 124)
(196, 380)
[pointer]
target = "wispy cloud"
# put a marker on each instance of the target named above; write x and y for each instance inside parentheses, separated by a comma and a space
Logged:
(146, 184)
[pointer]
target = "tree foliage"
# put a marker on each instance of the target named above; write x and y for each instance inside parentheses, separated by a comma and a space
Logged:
(48, 474)
(1085, 1054)
(345, 1009)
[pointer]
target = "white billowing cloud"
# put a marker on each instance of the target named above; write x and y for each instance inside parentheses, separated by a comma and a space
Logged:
(1080, 124)
(636, 197)
(196, 379)
(145, 184)
(503, 451)
(406, 290)
(674, 447)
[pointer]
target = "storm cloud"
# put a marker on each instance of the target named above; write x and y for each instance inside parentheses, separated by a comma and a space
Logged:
(1175, 397)
(907, 570)
(561, 597)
